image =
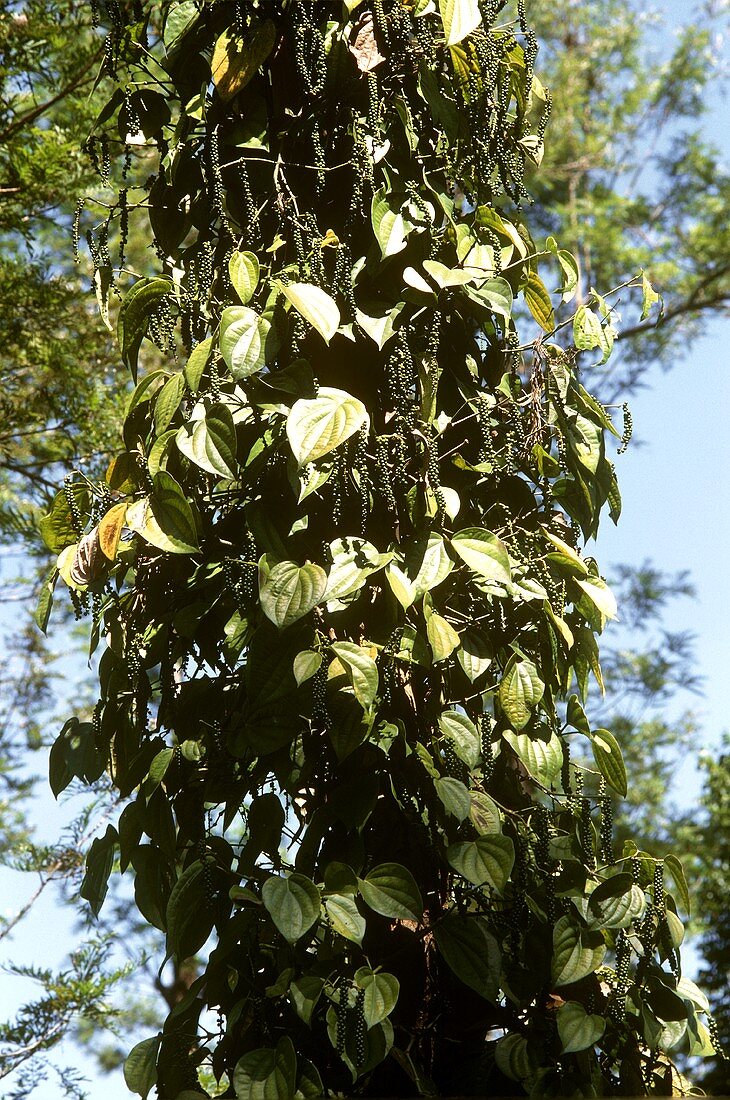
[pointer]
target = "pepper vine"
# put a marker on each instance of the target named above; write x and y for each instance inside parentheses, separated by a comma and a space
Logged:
(346, 627)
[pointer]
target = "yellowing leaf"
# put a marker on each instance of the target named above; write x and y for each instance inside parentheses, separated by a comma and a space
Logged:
(236, 60)
(110, 529)
(442, 637)
(460, 18)
(538, 302)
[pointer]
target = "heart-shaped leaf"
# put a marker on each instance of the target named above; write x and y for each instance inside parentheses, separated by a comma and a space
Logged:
(484, 553)
(315, 426)
(289, 591)
(471, 951)
(243, 268)
(293, 904)
(488, 859)
(578, 1030)
(391, 890)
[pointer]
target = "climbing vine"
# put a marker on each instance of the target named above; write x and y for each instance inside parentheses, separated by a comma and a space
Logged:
(335, 581)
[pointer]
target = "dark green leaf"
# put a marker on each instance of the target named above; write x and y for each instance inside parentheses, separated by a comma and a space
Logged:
(391, 890)
(471, 951)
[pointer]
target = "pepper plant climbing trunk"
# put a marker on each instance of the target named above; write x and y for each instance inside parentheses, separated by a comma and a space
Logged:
(344, 623)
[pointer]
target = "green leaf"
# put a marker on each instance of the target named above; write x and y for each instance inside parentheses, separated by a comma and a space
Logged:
(471, 951)
(576, 952)
(243, 268)
(158, 768)
(57, 527)
(189, 915)
(484, 553)
(389, 226)
(316, 426)
(445, 277)
(138, 305)
(315, 305)
(454, 796)
(168, 521)
(538, 302)
(475, 655)
(236, 60)
(676, 870)
(585, 441)
(425, 565)
(361, 670)
(140, 1066)
(578, 1030)
(380, 327)
(304, 994)
(464, 734)
(306, 665)
(290, 591)
(520, 690)
(353, 561)
(345, 917)
(600, 595)
(618, 908)
(460, 18)
(543, 759)
(488, 859)
(309, 1082)
(293, 904)
(571, 274)
(442, 637)
(381, 994)
(587, 332)
(267, 1074)
(565, 555)
(196, 364)
(609, 760)
(391, 890)
(495, 295)
(210, 443)
(99, 863)
(180, 19)
(168, 402)
(45, 599)
(514, 1057)
(649, 298)
(243, 340)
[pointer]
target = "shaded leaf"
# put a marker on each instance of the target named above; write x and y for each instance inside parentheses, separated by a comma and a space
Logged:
(293, 904)
(577, 1029)
(391, 890)
(236, 60)
(471, 951)
(609, 760)
(488, 859)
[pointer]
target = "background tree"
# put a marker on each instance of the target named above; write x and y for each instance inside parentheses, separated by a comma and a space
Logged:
(712, 846)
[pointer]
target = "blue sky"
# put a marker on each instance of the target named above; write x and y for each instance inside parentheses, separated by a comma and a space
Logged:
(676, 513)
